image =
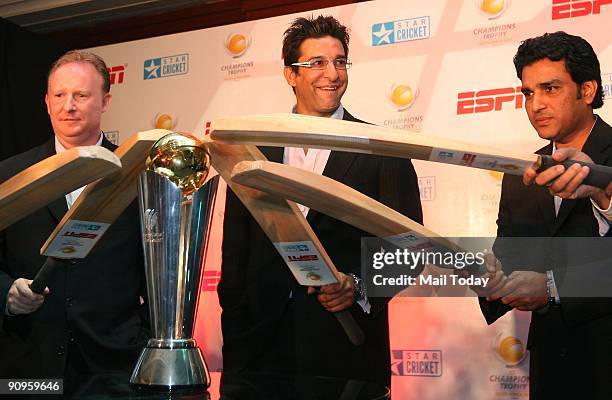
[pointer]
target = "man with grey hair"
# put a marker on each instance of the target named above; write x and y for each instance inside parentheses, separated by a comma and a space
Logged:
(91, 318)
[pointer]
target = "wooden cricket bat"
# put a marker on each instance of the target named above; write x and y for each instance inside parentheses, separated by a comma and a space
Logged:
(51, 179)
(285, 226)
(96, 208)
(342, 202)
(307, 131)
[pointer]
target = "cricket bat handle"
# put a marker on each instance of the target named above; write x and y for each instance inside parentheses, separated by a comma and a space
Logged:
(352, 330)
(45, 273)
(599, 175)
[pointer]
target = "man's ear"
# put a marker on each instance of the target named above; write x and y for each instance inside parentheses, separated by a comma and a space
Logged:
(47, 103)
(290, 75)
(106, 100)
(588, 89)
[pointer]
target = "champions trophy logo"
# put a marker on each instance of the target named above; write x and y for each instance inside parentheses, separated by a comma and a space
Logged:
(510, 350)
(175, 208)
(401, 96)
(237, 44)
(492, 8)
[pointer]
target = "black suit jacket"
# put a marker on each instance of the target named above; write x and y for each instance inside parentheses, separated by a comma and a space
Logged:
(255, 285)
(92, 318)
(579, 332)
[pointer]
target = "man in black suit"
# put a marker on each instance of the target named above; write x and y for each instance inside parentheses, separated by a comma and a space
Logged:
(91, 317)
(570, 338)
(269, 322)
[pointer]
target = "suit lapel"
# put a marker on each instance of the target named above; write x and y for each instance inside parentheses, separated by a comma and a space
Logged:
(337, 166)
(58, 207)
(597, 147)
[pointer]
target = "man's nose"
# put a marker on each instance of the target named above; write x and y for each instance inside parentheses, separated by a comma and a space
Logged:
(69, 104)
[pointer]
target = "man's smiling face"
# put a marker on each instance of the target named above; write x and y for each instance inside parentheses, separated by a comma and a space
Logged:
(318, 92)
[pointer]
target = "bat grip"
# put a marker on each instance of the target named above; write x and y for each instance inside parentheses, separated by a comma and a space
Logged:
(45, 273)
(352, 330)
(599, 175)
(477, 269)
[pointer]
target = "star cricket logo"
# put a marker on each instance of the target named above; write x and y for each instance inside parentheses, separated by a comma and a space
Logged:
(427, 363)
(562, 9)
(489, 100)
(236, 45)
(492, 9)
(495, 32)
(427, 188)
(162, 67)
(164, 121)
(404, 30)
(117, 74)
(112, 136)
(606, 85)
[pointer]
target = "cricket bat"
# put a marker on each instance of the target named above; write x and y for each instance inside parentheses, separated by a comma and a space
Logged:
(285, 226)
(96, 208)
(296, 130)
(342, 202)
(52, 178)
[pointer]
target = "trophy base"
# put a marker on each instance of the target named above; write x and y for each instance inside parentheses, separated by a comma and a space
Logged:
(171, 370)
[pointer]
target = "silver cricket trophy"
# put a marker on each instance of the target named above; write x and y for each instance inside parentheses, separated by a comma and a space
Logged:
(175, 210)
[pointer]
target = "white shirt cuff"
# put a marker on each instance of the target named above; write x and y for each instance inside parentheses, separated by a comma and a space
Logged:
(365, 304)
(607, 213)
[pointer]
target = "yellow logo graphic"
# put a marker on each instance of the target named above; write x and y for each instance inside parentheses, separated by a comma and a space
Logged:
(496, 175)
(313, 276)
(492, 8)
(237, 44)
(401, 96)
(164, 121)
(68, 249)
(510, 349)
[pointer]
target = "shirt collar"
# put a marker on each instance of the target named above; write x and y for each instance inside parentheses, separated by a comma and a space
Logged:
(59, 148)
(338, 114)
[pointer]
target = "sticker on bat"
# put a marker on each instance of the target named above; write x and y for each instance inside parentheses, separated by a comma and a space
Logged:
(475, 160)
(305, 263)
(76, 239)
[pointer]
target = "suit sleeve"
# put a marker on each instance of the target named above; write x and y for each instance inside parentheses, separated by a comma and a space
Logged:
(6, 281)
(399, 190)
(235, 251)
(399, 187)
(492, 310)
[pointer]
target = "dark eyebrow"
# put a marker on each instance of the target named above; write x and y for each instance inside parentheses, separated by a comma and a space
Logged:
(550, 83)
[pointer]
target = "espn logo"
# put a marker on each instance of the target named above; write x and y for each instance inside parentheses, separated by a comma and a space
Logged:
(82, 235)
(116, 74)
(210, 280)
(488, 100)
(562, 9)
(305, 257)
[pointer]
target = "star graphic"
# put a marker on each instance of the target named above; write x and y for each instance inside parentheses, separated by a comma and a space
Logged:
(383, 35)
(151, 69)
(395, 366)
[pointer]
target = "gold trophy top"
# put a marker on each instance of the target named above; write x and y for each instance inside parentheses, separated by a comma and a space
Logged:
(182, 158)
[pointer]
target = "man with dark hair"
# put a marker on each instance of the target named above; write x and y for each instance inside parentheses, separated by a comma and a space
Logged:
(91, 318)
(570, 338)
(269, 322)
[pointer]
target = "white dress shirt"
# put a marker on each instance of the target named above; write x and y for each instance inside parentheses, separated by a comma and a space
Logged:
(72, 196)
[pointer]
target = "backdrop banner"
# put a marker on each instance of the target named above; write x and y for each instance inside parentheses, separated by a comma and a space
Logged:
(441, 67)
